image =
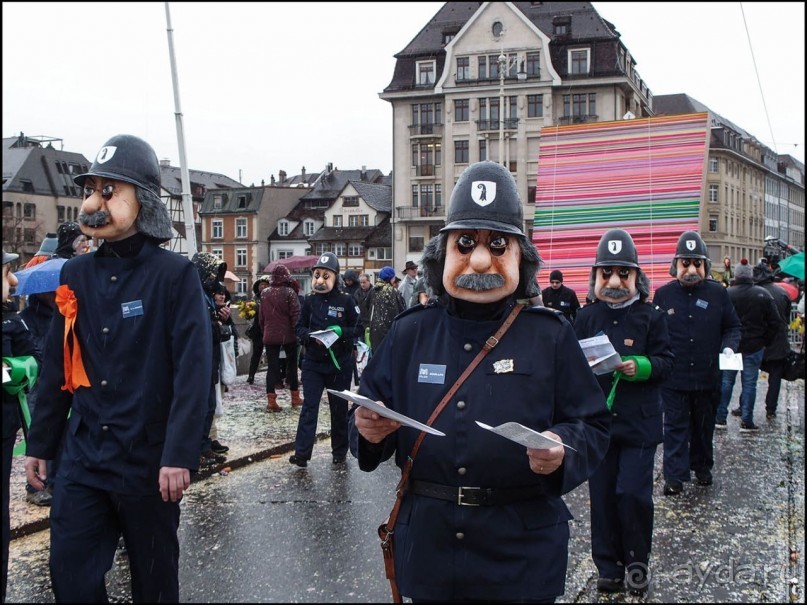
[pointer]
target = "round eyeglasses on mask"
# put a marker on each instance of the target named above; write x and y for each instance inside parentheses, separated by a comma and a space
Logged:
(691, 261)
(622, 272)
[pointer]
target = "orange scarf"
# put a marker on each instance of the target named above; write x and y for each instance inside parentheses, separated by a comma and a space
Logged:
(74, 374)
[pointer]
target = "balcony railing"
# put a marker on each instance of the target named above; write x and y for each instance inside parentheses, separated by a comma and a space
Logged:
(577, 119)
(421, 212)
(509, 124)
(494, 79)
(426, 129)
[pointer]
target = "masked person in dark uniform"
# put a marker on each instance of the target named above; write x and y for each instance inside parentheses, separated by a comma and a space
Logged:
(128, 357)
(622, 488)
(326, 307)
(506, 537)
(703, 323)
(21, 358)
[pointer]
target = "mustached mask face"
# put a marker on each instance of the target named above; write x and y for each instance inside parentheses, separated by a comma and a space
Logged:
(322, 280)
(109, 209)
(481, 266)
(614, 284)
(690, 271)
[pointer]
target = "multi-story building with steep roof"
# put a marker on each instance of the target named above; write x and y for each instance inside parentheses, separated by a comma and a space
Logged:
(480, 81)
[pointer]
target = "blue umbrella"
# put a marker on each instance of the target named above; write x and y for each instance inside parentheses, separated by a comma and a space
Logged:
(43, 277)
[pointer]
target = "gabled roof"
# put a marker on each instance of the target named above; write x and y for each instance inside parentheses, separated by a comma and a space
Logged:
(682, 103)
(341, 234)
(171, 177)
(37, 165)
(330, 183)
(378, 197)
(585, 22)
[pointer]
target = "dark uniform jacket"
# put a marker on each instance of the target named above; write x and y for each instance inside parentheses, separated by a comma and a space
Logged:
(18, 341)
(702, 322)
(320, 311)
(563, 299)
(537, 376)
(145, 342)
(758, 315)
(638, 329)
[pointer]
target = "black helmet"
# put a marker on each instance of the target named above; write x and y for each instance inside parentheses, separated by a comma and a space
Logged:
(485, 197)
(690, 245)
(328, 261)
(126, 158)
(616, 248)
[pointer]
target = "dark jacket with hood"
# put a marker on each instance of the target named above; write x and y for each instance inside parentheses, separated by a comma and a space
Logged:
(757, 312)
(780, 346)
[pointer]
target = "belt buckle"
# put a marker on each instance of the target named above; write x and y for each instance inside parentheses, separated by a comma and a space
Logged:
(460, 496)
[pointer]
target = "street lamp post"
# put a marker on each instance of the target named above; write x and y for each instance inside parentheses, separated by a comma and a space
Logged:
(504, 65)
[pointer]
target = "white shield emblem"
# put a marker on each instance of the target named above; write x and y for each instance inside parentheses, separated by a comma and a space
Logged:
(105, 154)
(690, 244)
(323, 259)
(483, 192)
(614, 246)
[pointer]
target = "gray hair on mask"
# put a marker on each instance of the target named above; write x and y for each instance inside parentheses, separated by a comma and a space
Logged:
(433, 263)
(152, 220)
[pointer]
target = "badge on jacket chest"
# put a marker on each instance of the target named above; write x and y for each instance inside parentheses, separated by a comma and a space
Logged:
(503, 366)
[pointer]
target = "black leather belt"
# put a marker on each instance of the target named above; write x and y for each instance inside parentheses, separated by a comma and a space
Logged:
(476, 496)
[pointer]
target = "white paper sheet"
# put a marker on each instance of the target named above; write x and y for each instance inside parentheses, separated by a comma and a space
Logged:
(386, 412)
(326, 337)
(600, 353)
(730, 362)
(6, 375)
(524, 435)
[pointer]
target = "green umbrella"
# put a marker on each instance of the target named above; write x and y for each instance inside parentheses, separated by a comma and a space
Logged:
(793, 265)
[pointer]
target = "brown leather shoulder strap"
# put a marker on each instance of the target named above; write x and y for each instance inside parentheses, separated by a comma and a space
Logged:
(490, 343)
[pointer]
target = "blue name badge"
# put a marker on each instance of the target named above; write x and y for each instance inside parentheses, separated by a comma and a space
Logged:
(433, 373)
(703, 304)
(132, 309)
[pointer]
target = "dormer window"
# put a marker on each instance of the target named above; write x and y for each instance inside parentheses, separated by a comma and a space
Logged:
(562, 26)
(217, 202)
(241, 202)
(579, 61)
(426, 71)
(283, 227)
(308, 228)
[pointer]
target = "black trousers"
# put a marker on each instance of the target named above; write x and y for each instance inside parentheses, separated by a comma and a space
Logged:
(255, 360)
(85, 527)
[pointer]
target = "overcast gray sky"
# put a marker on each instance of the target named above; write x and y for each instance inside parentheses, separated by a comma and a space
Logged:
(276, 86)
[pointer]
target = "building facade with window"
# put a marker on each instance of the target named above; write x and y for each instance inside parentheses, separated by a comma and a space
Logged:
(340, 202)
(235, 223)
(200, 182)
(38, 191)
(455, 101)
(749, 194)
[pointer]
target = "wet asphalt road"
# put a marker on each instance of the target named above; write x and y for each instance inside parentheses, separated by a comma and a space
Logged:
(270, 532)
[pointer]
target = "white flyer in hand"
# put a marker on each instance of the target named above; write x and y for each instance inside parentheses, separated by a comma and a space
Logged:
(730, 362)
(524, 435)
(600, 353)
(385, 411)
(326, 337)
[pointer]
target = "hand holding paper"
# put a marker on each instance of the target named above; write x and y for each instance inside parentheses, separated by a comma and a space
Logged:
(385, 411)
(730, 361)
(524, 435)
(326, 337)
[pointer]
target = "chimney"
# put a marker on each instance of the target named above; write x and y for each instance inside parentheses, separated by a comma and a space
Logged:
(165, 162)
(329, 167)
(302, 174)
(281, 175)
(363, 176)
(271, 180)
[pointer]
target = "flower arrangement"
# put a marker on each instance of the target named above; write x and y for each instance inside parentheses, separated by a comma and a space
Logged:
(247, 309)
(797, 324)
